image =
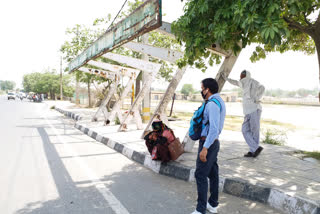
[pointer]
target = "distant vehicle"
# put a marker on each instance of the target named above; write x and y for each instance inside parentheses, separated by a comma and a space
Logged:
(22, 95)
(36, 98)
(11, 96)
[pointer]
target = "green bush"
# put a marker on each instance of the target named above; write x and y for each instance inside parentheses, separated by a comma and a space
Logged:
(52, 107)
(275, 137)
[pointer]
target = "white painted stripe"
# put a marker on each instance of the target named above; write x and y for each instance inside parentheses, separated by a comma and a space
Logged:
(111, 144)
(90, 133)
(191, 176)
(153, 165)
(114, 203)
(127, 152)
(221, 183)
(290, 203)
(99, 138)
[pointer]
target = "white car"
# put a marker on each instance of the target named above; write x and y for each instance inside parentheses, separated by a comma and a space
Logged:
(11, 96)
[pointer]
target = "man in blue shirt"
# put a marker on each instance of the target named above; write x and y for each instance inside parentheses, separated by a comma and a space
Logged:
(209, 145)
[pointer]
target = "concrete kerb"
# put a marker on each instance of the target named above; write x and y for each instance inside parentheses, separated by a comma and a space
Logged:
(71, 115)
(237, 187)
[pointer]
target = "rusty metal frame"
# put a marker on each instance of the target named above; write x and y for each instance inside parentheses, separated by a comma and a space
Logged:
(145, 18)
(98, 72)
(165, 28)
(156, 52)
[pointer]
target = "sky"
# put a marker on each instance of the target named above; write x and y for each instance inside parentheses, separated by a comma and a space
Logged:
(34, 30)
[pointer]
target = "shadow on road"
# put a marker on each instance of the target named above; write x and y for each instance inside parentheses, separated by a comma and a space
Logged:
(135, 187)
(72, 199)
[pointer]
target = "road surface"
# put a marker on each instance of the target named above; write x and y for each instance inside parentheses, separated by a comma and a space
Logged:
(47, 166)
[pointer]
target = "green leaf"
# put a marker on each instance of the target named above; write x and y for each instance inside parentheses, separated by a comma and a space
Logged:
(271, 33)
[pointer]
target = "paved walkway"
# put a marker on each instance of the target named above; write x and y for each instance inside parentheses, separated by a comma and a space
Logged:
(276, 167)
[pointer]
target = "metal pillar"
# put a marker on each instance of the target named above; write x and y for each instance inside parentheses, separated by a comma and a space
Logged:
(134, 110)
(103, 108)
(116, 108)
(162, 106)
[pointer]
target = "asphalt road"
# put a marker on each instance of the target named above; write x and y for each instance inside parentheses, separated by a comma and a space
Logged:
(47, 166)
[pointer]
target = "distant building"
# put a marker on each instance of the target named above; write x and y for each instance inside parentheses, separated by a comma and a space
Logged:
(231, 96)
(157, 95)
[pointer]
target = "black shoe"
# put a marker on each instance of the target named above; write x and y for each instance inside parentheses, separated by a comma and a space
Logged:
(257, 152)
(248, 155)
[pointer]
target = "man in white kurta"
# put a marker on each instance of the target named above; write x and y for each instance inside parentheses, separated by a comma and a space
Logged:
(252, 93)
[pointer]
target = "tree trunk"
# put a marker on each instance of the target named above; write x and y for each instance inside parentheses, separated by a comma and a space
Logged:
(317, 42)
(89, 94)
(226, 68)
(51, 95)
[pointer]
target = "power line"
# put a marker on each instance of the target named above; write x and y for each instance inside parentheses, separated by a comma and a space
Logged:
(117, 14)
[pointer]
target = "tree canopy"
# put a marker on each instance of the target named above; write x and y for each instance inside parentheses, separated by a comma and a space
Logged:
(47, 82)
(6, 85)
(275, 25)
(187, 89)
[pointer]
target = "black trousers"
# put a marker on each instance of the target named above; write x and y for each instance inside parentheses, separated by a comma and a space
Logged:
(209, 169)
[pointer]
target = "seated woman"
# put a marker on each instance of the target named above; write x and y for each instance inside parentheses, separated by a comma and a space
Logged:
(157, 141)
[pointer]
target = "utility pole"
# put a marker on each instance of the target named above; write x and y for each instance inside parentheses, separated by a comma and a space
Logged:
(146, 104)
(61, 94)
(147, 99)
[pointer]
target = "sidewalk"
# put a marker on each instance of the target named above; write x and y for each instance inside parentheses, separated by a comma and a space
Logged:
(276, 177)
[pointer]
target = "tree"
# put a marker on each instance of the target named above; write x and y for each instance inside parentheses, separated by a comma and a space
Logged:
(80, 38)
(47, 82)
(187, 89)
(6, 85)
(88, 79)
(275, 25)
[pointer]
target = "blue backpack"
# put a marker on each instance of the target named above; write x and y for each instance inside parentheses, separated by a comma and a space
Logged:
(196, 125)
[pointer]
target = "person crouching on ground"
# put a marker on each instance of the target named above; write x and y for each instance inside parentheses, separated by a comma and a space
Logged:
(252, 93)
(209, 145)
(156, 143)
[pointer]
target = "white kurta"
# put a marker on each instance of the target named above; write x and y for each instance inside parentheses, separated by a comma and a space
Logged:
(252, 93)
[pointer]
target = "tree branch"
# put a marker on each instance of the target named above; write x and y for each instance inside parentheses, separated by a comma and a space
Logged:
(295, 25)
(311, 8)
(306, 20)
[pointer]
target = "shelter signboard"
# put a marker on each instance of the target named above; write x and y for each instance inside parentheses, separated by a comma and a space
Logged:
(145, 18)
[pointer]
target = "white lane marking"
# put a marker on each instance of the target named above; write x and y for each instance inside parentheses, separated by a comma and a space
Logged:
(114, 203)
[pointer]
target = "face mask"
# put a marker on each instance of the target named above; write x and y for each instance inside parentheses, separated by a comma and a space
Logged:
(203, 95)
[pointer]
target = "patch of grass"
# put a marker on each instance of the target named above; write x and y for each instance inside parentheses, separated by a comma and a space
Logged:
(183, 115)
(275, 137)
(269, 122)
(234, 123)
(315, 155)
(52, 107)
